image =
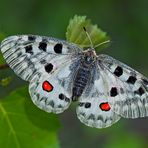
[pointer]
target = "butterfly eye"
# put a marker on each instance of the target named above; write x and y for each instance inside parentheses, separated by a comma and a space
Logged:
(47, 86)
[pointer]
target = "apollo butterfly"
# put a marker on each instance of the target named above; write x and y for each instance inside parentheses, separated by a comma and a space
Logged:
(60, 72)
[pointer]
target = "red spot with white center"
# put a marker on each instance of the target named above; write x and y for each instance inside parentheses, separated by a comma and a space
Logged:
(105, 106)
(47, 86)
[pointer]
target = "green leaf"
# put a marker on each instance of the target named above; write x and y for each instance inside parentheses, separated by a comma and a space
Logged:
(2, 36)
(132, 141)
(6, 81)
(23, 125)
(2, 61)
(76, 34)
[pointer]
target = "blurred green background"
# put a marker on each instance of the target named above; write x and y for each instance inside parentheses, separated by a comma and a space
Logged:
(125, 21)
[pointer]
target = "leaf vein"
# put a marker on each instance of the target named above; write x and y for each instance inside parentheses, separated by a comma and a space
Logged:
(4, 112)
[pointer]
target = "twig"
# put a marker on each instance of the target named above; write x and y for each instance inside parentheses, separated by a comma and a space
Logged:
(4, 66)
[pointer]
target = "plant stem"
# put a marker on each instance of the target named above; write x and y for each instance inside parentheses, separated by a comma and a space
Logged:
(4, 66)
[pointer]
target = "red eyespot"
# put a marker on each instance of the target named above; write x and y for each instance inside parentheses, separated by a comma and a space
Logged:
(105, 106)
(47, 86)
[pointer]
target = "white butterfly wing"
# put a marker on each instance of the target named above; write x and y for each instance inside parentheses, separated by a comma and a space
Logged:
(46, 64)
(28, 54)
(128, 91)
(116, 90)
(94, 109)
(53, 92)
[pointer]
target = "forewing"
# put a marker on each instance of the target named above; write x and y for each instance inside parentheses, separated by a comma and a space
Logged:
(94, 109)
(28, 54)
(128, 91)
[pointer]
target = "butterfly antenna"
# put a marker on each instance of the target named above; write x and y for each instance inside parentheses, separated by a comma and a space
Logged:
(89, 38)
(100, 44)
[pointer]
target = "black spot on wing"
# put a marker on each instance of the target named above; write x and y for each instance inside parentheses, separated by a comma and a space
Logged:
(28, 49)
(48, 67)
(63, 97)
(58, 48)
(131, 80)
(140, 91)
(87, 105)
(113, 92)
(118, 71)
(43, 45)
(31, 38)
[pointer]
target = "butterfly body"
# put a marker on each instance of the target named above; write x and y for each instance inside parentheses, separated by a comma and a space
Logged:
(59, 72)
(83, 73)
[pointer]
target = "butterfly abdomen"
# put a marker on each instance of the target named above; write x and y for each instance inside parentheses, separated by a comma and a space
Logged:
(80, 81)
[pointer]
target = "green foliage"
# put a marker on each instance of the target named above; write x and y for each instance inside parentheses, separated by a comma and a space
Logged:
(23, 125)
(1, 57)
(2, 36)
(130, 141)
(5, 81)
(76, 34)
(2, 61)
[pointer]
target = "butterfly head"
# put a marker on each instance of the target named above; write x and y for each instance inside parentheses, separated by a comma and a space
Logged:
(89, 56)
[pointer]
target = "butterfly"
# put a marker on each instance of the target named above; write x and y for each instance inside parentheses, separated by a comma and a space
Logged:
(60, 73)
